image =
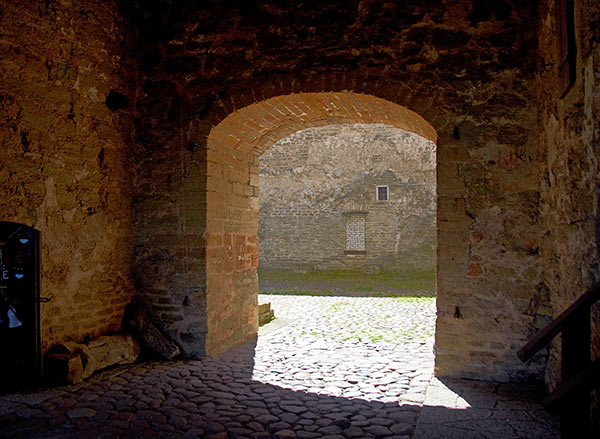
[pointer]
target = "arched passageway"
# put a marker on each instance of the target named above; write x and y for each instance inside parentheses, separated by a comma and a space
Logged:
(205, 262)
(232, 203)
(517, 239)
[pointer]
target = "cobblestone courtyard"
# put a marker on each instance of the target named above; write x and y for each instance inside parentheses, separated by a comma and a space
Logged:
(327, 367)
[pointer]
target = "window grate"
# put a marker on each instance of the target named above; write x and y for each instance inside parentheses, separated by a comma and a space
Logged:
(383, 193)
(355, 232)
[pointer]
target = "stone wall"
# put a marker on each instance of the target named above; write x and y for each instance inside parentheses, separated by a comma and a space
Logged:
(516, 224)
(318, 182)
(65, 156)
(468, 68)
(570, 141)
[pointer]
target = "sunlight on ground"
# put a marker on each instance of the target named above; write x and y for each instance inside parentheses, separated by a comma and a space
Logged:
(375, 349)
(444, 396)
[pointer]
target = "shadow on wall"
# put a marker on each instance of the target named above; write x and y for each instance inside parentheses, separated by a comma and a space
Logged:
(219, 396)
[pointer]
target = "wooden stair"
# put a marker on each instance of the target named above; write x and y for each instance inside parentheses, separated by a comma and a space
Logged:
(579, 374)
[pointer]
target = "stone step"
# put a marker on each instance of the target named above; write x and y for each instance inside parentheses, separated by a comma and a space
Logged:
(265, 314)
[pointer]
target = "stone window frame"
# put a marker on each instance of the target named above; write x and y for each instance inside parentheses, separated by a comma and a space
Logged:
(387, 192)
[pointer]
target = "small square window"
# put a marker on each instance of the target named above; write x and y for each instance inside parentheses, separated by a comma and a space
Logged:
(383, 193)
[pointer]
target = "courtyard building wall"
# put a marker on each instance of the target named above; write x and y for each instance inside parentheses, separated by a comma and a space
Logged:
(320, 207)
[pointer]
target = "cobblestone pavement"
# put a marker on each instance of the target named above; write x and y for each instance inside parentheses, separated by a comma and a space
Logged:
(340, 368)
(463, 409)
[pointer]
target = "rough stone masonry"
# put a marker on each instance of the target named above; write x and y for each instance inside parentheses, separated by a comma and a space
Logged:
(319, 207)
(158, 200)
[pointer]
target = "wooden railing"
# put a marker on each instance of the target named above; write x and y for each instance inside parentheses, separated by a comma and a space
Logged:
(579, 374)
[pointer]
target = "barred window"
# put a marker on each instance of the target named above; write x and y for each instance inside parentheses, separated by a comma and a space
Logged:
(355, 233)
(383, 193)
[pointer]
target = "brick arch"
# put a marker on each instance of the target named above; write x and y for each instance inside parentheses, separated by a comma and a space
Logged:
(258, 126)
(199, 244)
(232, 205)
(201, 116)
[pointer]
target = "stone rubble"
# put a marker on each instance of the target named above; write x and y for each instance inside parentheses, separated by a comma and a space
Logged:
(343, 368)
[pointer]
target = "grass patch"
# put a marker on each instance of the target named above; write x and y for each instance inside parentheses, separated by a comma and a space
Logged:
(300, 292)
(338, 306)
(332, 282)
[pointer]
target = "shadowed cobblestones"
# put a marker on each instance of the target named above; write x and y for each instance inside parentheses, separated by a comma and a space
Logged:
(341, 368)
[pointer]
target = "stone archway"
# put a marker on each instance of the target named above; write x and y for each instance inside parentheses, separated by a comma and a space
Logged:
(195, 233)
(233, 147)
